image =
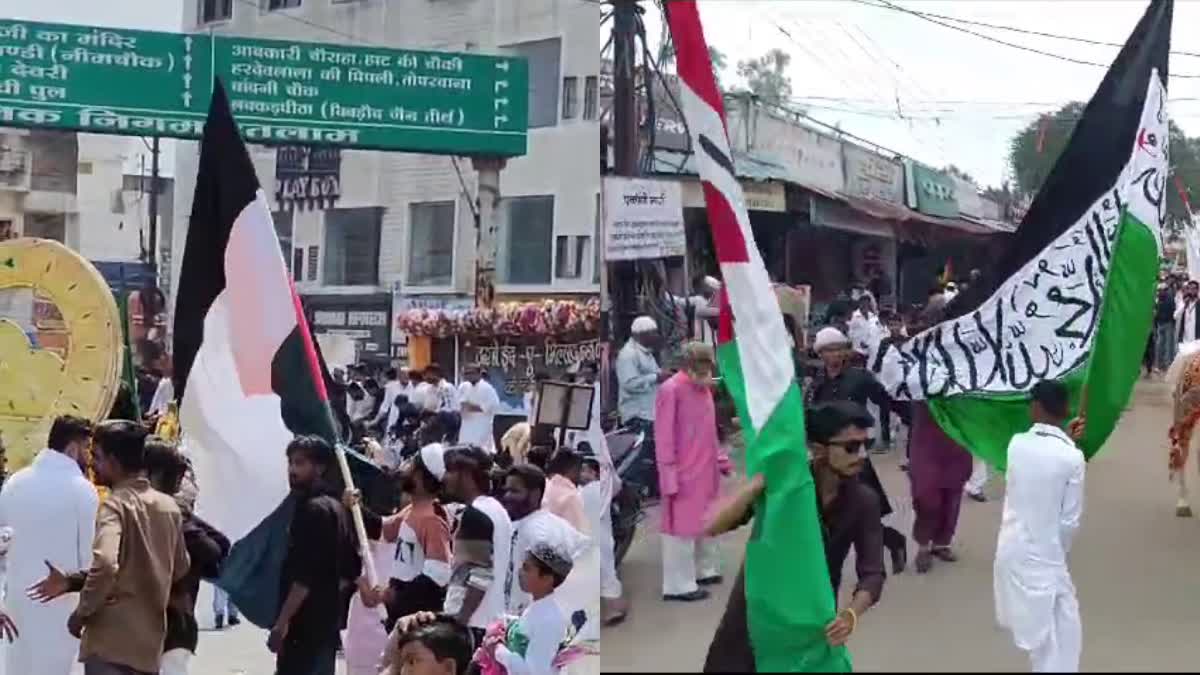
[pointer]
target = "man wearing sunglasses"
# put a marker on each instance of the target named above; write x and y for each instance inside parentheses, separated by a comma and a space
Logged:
(849, 515)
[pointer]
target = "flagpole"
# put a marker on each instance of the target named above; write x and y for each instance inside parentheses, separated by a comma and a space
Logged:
(364, 546)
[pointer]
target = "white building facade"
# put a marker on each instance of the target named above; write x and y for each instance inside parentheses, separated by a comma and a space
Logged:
(404, 223)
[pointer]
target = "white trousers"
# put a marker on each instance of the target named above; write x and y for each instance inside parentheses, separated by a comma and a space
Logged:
(979, 477)
(610, 583)
(175, 662)
(1059, 653)
(686, 560)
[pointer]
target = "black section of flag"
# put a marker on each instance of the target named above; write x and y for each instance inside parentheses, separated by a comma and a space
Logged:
(1092, 161)
(225, 184)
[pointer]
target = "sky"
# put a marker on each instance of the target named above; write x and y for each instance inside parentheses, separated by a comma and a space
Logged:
(933, 93)
(164, 15)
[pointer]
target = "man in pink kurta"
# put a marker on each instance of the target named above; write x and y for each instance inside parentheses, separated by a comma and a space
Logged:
(690, 465)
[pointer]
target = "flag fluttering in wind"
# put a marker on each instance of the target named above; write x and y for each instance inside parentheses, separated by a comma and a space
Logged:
(246, 369)
(787, 585)
(1072, 296)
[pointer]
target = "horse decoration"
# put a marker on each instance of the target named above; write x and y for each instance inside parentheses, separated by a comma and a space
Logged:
(1183, 379)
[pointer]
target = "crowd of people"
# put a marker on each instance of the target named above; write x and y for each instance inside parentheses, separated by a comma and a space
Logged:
(483, 558)
(850, 417)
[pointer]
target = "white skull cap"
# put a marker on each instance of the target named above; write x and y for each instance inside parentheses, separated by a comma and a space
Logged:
(643, 324)
(433, 456)
(828, 337)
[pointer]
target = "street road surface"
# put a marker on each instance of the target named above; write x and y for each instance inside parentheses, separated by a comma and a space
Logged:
(1134, 565)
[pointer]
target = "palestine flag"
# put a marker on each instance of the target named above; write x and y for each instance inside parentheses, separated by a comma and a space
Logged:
(1072, 297)
(787, 588)
(246, 370)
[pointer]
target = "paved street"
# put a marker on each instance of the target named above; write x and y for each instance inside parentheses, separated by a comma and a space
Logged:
(1134, 566)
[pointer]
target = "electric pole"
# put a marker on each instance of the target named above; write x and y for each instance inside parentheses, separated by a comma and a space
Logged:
(622, 277)
(153, 206)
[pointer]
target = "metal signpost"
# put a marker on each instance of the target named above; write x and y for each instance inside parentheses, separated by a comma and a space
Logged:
(143, 83)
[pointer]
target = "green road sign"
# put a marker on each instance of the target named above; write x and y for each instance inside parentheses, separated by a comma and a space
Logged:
(143, 83)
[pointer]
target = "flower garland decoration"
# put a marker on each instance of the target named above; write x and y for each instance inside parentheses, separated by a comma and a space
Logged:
(545, 317)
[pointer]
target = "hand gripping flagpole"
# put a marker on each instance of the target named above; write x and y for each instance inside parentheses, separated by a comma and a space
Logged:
(364, 546)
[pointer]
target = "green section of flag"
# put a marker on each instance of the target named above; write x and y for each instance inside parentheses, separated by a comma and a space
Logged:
(1122, 331)
(788, 597)
(985, 424)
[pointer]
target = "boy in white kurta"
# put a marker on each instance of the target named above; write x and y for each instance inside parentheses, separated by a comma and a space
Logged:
(51, 507)
(1035, 598)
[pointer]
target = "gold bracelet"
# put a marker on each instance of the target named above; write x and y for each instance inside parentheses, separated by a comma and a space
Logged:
(853, 618)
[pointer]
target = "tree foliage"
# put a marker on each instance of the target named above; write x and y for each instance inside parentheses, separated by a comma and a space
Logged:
(766, 77)
(1031, 164)
(666, 60)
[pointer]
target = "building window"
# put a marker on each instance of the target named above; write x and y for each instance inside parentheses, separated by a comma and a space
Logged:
(431, 244)
(46, 226)
(314, 255)
(543, 57)
(527, 240)
(215, 10)
(298, 263)
(571, 253)
(590, 97)
(282, 4)
(352, 246)
(283, 232)
(570, 97)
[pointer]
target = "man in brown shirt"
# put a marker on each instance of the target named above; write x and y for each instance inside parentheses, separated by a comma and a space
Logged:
(138, 553)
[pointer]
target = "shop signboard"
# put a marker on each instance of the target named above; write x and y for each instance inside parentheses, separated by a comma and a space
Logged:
(930, 191)
(760, 195)
(145, 83)
(873, 176)
(364, 318)
(966, 193)
(511, 364)
(642, 219)
(812, 159)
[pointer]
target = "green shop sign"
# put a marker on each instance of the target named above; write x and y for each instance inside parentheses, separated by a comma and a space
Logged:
(142, 83)
(930, 191)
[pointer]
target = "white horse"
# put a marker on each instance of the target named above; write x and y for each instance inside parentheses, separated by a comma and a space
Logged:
(1183, 381)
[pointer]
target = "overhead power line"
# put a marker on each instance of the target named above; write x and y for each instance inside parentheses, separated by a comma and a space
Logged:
(884, 4)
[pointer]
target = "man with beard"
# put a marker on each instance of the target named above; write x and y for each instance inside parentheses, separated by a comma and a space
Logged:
(475, 592)
(1187, 318)
(524, 489)
(849, 515)
(321, 557)
(691, 463)
(51, 508)
(420, 569)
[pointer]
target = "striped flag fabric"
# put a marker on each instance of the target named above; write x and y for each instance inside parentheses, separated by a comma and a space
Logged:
(787, 586)
(247, 374)
(1072, 297)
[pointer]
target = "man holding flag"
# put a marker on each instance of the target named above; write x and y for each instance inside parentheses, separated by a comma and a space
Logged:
(250, 382)
(788, 603)
(849, 514)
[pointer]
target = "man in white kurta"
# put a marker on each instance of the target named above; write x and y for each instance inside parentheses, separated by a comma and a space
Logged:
(51, 508)
(1035, 598)
(479, 403)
